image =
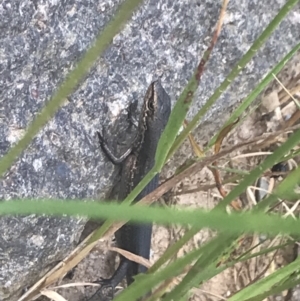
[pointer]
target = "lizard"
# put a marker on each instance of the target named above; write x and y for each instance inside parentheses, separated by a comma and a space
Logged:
(136, 163)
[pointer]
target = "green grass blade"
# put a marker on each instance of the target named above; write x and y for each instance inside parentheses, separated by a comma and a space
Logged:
(145, 282)
(288, 188)
(215, 219)
(262, 252)
(204, 268)
(277, 155)
(288, 284)
(285, 190)
(212, 250)
(262, 286)
(257, 90)
(172, 250)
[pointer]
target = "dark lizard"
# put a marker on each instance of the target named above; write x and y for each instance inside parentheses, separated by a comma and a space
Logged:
(136, 163)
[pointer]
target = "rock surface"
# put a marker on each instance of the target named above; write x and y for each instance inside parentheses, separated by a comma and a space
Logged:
(42, 40)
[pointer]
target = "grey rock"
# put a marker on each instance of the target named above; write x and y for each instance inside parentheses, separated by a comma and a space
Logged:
(41, 41)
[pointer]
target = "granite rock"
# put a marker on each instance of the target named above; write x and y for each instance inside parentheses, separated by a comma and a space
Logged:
(41, 41)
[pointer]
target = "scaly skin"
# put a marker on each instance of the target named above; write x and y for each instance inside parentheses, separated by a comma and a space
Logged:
(136, 238)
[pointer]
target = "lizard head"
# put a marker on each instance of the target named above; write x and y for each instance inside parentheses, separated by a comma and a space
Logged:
(157, 107)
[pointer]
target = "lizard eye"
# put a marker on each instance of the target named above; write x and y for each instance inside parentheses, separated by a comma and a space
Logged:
(150, 105)
(150, 100)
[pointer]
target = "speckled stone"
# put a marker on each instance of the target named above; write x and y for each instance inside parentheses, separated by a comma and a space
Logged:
(41, 41)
